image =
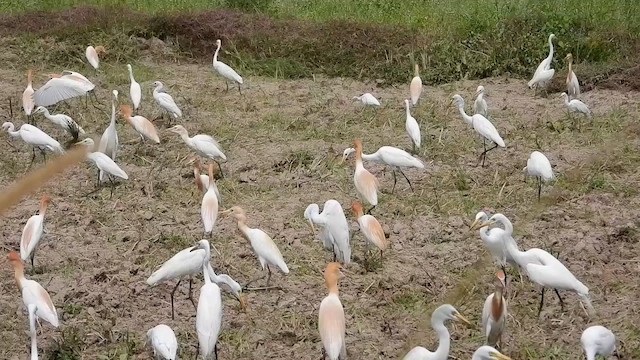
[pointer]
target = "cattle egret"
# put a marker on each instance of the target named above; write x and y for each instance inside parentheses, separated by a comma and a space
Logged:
(27, 96)
(204, 145)
(370, 228)
(62, 87)
(367, 99)
(32, 232)
(334, 228)
(263, 246)
(92, 55)
(31, 309)
(494, 313)
(366, 183)
(544, 72)
(209, 208)
(135, 91)
(392, 156)
(575, 105)
(573, 86)
(331, 322)
(488, 353)
(34, 137)
(439, 316)
(165, 101)
(109, 140)
(209, 312)
(140, 124)
(598, 340)
(163, 342)
(480, 104)
(494, 239)
(415, 89)
(202, 180)
(481, 125)
(225, 70)
(104, 164)
(33, 293)
(412, 127)
(63, 121)
(539, 166)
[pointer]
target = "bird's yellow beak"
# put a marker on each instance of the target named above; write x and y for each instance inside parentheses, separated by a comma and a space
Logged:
(243, 302)
(313, 229)
(498, 356)
(225, 211)
(462, 319)
(474, 225)
(477, 93)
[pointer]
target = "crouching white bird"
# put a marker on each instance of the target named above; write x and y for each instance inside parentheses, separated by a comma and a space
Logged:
(35, 137)
(334, 228)
(225, 70)
(575, 105)
(262, 244)
(104, 164)
(209, 208)
(539, 166)
(366, 183)
(63, 121)
(544, 72)
(331, 321)
(488, 353)
(367, 99)
(163, 342)
(32, 232)
(494, 313)
(204, 145)
(165, 101)
(480, 104)
(140, 124)
(33, 293)
(598, 340)
(209, 311)
(412, 127)
(135, 91)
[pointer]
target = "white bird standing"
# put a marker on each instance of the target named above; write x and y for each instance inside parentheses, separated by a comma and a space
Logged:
(263, 246)
(370, 228)
(135, 91)
(62, 87)
(104, 164)
(27, 96)
(494, 313)
(92, 55)
(163, 342)
(488, 353)
(544, 72)
(33, 293)
(34, 137)
(482, 126)
(209, 311)
(204, 145)
(225, 70)
(573, 86)
(539, 166)
(202, 180)
(32, 232)
(415, 88)
(31, 309)
(575, 105)
(392, 156)
(494, 239)
(331, 321)
(209, 208)
(165, 101)
(63, 121)
(598, 340)
(367, 99)
(413, 129)
(440, 315)
(366, 183)
(334, 228)
(109, 140)
(480, 104)
(140, 124)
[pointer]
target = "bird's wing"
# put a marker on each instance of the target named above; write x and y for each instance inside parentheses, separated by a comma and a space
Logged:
(209, 210)
(30, 236)
(56, 90)
(485, 128)
(264, 247)
(34, 293)
(582, 107)
(208, 145)
(398, 157)
(373, 231)
(414, 130)
(540, 165)
(367, 185)
(339, 231)
(146, 128)
(109, 142)
(167, 102)
(104, 163)
(486, 310)
(183, 263)
(331, 325)
(226, 71)
(136, 94)
(164, 342)
(35, 136)
(236, 289)
(92, 56)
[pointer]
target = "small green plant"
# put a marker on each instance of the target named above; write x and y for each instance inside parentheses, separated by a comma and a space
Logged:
(69, 346)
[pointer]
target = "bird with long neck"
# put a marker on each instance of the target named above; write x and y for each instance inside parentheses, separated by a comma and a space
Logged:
(32, 232)
(331, 321)
(573, 86)
(27, 96)
(494, 313)
(365, 182)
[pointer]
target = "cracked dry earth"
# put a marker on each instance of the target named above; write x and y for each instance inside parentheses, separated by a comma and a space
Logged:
(284, 141)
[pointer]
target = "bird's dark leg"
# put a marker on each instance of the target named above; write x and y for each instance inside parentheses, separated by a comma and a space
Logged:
(333, 248)
(226, 83)
(269, 275)
(240, 90)
(559, 298)
(369, 211)
(394, 181)
(44, 155)
(541, 301)
(191, 292)
(505, 275)
(113, 185)
(98, 182)
(172, 293)
(324, 353)
(198, 350)
(406, 178)
(33, 255)
(33, 157)
(539, 187)
(219, 167)
(215, 350)
(484, 153)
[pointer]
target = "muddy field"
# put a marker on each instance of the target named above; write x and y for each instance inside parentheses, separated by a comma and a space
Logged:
(284, 141)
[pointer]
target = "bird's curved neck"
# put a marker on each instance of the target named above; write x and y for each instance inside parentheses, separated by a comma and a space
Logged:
(215, 55)
(512, 249)
(566, 100)
(29, 79)
(444, 341)
(570, 67)
(43, 209)
(242, 226)
(131, 74)
(416, 71)
(331, 282)
(113, 112)
(19, 275)
(468, 119)
(185, 137)
(407, 109)
(205, 272)
(496, 303)
(550, 49)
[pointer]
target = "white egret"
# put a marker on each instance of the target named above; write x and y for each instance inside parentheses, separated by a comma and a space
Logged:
(331, 321)
(440, 315)
(598, 340)
(63, 121)
(370, 228)
(412, 127)
(366, 183)
(334, 228)
(544, 72)
(27, 96)
(109, 140)
(32, 232)
(33, 293)
(367, 99)
(104, 164)
(415, 89)
(34, 137)
(31, 310)
(234, 287)
(165, 101)
(135, 91)
(539, 166)
(163, 342)
(480, 104)
(140, 124)
(202, 180)
(494, 313)
(204, 145)
(573, 86)
(225, 70)
(62, 87)
(263, 246)
(92, 55)
(488, 353)
(482, 126)
(494, 239)
(575, 105)
(208, 313)
(209, 208)
(392, 156)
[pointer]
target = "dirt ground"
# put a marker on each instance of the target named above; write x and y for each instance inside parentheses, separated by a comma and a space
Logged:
(284, 141)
